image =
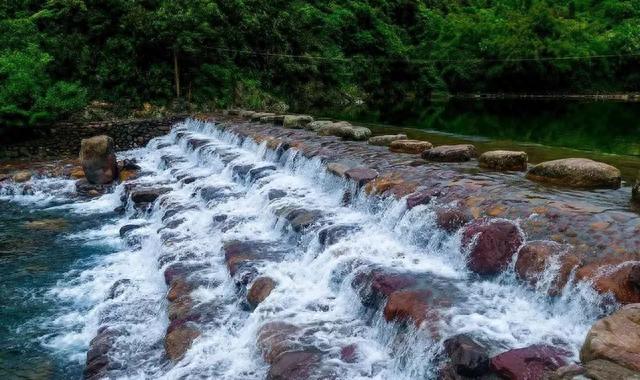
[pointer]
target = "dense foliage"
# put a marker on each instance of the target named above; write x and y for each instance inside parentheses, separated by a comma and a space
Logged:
(56, 55)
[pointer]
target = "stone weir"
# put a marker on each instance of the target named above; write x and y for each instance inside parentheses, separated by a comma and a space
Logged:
(63, 140)
(592, 235)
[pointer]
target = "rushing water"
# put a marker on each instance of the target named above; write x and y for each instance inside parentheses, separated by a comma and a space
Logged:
(57, 283)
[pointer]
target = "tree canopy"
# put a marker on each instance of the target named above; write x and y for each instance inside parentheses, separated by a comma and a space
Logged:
(56, 55)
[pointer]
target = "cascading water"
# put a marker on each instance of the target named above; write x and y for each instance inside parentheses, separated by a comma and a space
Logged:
(226, 188)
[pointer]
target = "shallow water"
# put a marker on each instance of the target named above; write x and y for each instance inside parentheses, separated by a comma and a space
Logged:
(60, 303)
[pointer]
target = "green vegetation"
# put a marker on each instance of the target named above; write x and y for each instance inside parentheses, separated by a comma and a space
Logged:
(56, 55)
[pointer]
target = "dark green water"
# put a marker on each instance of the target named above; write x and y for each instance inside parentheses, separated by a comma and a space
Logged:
(604, 127)
(33, 261)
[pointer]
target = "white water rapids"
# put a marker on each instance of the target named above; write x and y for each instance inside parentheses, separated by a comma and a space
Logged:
(313, 282)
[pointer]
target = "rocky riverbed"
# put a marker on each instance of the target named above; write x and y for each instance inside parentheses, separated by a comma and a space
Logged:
(271, 246)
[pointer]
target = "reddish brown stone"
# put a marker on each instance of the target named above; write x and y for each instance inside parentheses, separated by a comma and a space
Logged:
(491, 244)
(275, 338)
(361, 175)
(349, 354)
(529, 363)
(260, 290)
(178, 341)
(410, 305)
(621, 279)
(179, 287)
(451, 219)
(535, 256)
(294, 365)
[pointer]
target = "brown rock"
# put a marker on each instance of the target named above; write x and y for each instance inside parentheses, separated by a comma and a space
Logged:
(180, 308)
(450, 153)
(535, 257)
(178, 341)
(21, 176)
(503, 160)
(98, 159)
(294, 365)
(337, 169)
(275, 338)
(529, 363)
(451, 219)
(410, 305)
(467, 357)
(621, 279)
(576, 172)
(296, 121)
(179, 287)
(361, 175)
(606, 370)
(409, 146)
(615, 338)
(386, 140)
(260, 290)
(491, 244)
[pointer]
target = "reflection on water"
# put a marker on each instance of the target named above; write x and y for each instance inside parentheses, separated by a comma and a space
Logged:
(597, 129)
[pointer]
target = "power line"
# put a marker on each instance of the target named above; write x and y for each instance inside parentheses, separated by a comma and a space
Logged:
(386, 59)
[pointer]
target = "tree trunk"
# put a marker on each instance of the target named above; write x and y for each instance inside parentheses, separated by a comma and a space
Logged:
(176, 72)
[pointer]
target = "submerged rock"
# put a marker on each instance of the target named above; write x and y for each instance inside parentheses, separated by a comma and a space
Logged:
(533, 362)
(98, 159)
(450, 153)
(503, 160)
(386, 140)
(451, 219)
(622, 279)
(576, 172)
(410, 146)
(491, 244)
(361, 175)
(179, 339)
(295, 365)
(537, 256)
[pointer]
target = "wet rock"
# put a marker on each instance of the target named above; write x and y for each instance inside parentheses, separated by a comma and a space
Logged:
(386, 140)
(118, 288)
(194, 143)
(258, 173)
(568, 372)
(21, 176)
(491, 244)
(420, 198)
(349, 354)
(451, 153)
(536, 256)
(98, 361)
(294, 365)
(607, 370)
(338, 169)
(179, 287)
(180, 308)
(274, 338)
(98, 159)
(467, 358)
(124, 230)
(260, 290)
(615, 338)
(178, 341)
(332, 234)
(211, 193)
(635, 192)
(451, 219)
(296, 121)
(241, 171)
(84, 188)
(130, 164)
(144, 196)
(361, 175)
(376, 286)
(503, 160)
(410, 305)
(533, 362)
(239, 254)
(274, 194)
(576, 172)
(275, 119)
(301, 219)
(170, 161)
(409, 146)
(620, 279)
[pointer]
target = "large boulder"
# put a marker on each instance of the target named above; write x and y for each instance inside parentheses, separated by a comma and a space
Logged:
(615, 338)
(98, 158)
(576, 172)
(503, 160)
(410, 146)
(491, 244)
(606, 370)
(21, 176)
(296, 121)
(533, 362)
(450, 153)
(386, 140)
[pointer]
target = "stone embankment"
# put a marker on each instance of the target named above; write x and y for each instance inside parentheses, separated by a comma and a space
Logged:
(63, 140)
